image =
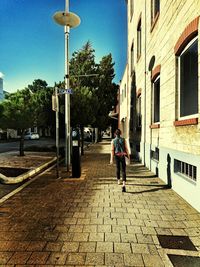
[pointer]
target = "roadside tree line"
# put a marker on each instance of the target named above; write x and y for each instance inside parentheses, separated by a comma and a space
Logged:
(92, 99)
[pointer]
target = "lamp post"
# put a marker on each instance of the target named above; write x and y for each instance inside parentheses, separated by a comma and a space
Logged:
(68, 20)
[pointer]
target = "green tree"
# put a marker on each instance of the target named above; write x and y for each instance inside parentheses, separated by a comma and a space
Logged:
(43, 108)
(37, 85)
(106, 92)
(18, 112)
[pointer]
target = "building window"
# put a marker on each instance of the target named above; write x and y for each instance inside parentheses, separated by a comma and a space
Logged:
(188, 79)
(188, 170)
(139, 39)
(131, 8)
(155, 154)
(132, 58)
(156, 100)
(125, 90)
(139, 111)
(155, 10)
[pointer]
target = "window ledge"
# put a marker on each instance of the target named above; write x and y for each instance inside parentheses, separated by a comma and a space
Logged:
(186, 122)
(154, 21)
(154, 126)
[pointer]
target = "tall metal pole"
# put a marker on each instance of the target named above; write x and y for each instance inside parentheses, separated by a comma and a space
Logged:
(68, 20)
(57, 130)
(67, 96)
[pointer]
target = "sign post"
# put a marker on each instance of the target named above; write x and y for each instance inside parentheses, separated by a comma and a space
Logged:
(55, 107)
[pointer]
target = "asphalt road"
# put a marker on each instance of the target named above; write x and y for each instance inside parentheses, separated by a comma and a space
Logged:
(9, 146)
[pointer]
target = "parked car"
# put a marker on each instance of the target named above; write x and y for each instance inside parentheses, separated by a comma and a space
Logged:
(31, 136)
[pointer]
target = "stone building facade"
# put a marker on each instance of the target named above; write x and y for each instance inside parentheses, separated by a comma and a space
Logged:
(163, 92)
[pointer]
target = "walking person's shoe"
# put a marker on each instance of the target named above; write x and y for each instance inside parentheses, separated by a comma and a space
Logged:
(118, 181)
(123, 189)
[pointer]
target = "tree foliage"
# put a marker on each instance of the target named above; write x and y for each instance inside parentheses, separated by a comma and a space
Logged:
(18, 112)
(27, 108)
(95, 94)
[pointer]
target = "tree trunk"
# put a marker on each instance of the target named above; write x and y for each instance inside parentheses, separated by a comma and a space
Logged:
(82, 140)
(21, 146)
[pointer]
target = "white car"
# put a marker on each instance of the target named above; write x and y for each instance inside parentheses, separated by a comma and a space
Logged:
(31, 136)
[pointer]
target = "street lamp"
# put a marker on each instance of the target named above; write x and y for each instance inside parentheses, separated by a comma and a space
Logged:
(68, 20)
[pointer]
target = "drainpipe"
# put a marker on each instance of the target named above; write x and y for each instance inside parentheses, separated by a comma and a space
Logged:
(145, 81)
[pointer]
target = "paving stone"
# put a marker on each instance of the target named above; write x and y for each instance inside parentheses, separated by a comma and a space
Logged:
(70, 221)
(81, 237)
(76, 258)
(90, 228)
(19, 258)
(65, 237)
(127, 238)
(104, 228)
(79, 215)
(123, 221)
(152, 260)
(137, 222)
(134, 229)
(53, 246)
(57, 258)
(95, 259)
(5, 256)
(114, 259)
(96, 237)
(163, 231)
(17, 245)
(112, 237)
(36, 245)
(119, 229)
(87, 247)
(144, 239)
(97, 221)
(150, 223)
(38, 258)
(178, 231)
(140, 248)
(122, 247)
(133, 260)
(70, 247)
(75, 229)
(148, 230)
(104, 247)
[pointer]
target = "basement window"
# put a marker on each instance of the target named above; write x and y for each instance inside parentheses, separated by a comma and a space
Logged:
(187, 170)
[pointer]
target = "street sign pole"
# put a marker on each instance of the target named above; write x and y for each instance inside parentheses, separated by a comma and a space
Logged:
(67, 96)
(68, 20)
(57, 130)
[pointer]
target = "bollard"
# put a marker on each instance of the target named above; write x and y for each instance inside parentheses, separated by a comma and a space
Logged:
(76, 157)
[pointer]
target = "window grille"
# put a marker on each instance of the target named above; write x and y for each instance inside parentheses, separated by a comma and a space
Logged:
(188, 170)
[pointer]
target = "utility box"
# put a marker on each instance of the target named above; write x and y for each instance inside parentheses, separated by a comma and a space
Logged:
(76, 156)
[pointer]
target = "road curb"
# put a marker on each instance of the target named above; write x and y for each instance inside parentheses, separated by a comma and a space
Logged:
(15, 180)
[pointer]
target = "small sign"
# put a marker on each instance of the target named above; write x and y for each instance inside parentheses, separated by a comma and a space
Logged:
(65, 91)
(74, 142)
(54, 103)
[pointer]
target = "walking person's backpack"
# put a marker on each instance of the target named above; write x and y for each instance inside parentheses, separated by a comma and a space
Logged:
(119, 144)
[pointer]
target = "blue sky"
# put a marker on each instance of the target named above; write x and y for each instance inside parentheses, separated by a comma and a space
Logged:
(32, 44)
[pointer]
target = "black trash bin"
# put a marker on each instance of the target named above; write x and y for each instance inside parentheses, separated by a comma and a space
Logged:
(76, 157)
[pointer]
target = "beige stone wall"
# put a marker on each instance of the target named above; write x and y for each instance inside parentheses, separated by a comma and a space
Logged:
(123, 114)
(175, 15)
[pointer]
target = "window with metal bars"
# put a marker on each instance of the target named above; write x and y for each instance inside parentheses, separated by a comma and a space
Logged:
(188, 170)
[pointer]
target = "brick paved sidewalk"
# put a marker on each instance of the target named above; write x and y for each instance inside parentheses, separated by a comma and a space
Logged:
(90, 222)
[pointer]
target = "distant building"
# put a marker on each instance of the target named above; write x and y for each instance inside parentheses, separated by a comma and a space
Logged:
(1, 89)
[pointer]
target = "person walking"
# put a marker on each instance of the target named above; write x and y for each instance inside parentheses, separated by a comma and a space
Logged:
(119, 150)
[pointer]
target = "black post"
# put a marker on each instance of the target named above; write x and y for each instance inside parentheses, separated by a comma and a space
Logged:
(76, 157)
